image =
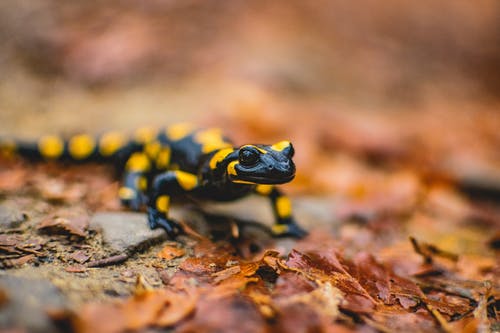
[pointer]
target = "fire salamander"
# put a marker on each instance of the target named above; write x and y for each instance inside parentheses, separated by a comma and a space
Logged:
(180, 161)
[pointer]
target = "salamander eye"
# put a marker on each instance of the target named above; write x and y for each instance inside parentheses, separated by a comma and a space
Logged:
(248, 156)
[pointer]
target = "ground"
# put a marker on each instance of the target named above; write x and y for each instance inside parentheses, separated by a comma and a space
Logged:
(389, 242)
(398, 173)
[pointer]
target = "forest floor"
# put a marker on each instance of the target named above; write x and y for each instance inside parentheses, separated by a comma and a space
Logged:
(399, 238)
(392, 109)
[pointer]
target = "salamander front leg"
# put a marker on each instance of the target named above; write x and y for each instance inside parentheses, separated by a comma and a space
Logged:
(285, 224)
(165, 186)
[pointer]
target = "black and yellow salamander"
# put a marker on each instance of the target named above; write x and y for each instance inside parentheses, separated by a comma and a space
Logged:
(179, 161)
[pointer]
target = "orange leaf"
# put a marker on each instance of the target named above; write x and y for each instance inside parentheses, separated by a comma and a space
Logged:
(171, 252)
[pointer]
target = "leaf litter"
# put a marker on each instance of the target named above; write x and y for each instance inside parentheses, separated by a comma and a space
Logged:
(405, 250)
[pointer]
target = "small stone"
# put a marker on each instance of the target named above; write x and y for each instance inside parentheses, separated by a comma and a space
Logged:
(126, 231)
(27, 302)
(314, 211)
(11, 215)
(309, 211)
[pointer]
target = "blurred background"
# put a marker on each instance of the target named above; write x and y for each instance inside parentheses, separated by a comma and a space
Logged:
(411, 86)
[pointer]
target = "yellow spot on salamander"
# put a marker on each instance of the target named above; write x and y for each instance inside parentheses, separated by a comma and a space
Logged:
(111, 142)
(145, 134)
(258, 148)
(238, 181)
(230, 168)
(138, 162)
(264, 189)
(152, 149)
(179, 131)
(279, 229)
(210, 140)
(283, 207)
(163, 158)
(281, 145)
(163, 203)
(81, 146)
(219, 156)
(51, 146)
(126, 193)
(142, 183)
(186, 180)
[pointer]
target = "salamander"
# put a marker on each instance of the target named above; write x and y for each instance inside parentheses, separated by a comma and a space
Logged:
(158, 165)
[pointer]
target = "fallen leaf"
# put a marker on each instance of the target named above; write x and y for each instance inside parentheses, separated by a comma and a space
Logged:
(228, 314)
(79, 256)
(181, 306)
(325, 300)
(226, 273)
(72, 223)
(9, 240)
(170, 252)
(22, 260)
(152, 308)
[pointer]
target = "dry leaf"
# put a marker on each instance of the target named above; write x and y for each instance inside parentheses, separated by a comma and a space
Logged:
(72, 223)
(171, 252)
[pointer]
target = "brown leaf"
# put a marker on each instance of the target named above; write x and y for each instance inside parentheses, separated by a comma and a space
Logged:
(296, 317)
(181, 306)
(325, 300)
(373, 277)
(159, 307)
(327, 267)
(79, 256)
(290, 283)
(226, 273)
(197, 266)
(229, 314)
(22, 260)
(142, 310)
(99, 318)
(171, 252)
(395, 321)
(9, 240)
(71, 223)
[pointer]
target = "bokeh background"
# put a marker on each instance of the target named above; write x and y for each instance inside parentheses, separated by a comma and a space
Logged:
(411, 84)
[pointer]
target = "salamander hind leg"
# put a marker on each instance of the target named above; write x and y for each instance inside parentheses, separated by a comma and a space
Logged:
(165, 186)
(132, 193)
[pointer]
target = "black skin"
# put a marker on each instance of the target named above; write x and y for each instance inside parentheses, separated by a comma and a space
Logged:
(194, 170)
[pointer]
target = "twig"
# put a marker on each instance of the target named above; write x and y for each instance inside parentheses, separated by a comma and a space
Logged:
(113, 260)
(190, 232)
(25, 249)
(427, 251)
(443, 324)
(481, 312)
(445, 286)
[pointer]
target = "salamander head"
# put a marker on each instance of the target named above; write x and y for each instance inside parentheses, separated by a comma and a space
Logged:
(263, 164)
